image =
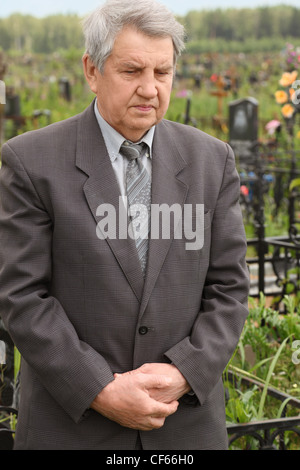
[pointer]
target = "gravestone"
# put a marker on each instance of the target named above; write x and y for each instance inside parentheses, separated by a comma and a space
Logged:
(65, 89)
(243, 126)
(12, 112)
(13, 104)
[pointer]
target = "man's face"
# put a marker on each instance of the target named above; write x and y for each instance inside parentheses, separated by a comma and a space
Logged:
(134, 90)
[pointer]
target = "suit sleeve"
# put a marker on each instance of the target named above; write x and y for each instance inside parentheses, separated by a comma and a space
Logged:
(203, 355)
(71, 371)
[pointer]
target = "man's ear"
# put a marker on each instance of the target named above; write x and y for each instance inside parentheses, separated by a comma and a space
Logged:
(90, 72)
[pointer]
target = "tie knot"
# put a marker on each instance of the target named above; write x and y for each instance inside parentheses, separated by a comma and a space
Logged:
(132, 151)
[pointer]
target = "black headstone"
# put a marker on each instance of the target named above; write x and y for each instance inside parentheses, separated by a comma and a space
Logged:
(243, 120)
(65, 89)
(13, 105)
(243, 125)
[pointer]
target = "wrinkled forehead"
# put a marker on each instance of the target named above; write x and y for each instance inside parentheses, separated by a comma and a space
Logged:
(134, 46)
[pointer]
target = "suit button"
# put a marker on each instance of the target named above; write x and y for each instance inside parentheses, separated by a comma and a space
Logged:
(143, 330)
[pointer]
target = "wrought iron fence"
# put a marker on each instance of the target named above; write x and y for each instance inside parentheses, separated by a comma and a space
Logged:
(267, 434)
(267, 174)
(7, 415)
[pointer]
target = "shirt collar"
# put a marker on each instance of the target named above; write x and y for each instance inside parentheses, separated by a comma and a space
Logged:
(114, 140)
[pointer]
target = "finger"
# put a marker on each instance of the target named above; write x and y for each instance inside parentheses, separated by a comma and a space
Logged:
(157, 418)
(162, 410)
(156, 423)
(154, 381)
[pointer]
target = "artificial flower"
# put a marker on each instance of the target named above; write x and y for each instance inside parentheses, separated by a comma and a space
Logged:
(287, 111)
(281, 97)
(288, 78)
(273, 126)
(292, 91)
(182, 94)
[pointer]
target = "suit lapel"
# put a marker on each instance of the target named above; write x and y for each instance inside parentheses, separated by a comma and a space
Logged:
(167, 188)
(101, 187)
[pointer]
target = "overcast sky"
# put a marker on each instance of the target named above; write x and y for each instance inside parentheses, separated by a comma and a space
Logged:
(42, 8)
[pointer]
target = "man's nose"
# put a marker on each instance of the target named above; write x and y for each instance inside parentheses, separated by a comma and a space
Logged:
(147, 87)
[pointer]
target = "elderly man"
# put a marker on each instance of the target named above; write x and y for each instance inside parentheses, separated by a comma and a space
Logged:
(124, 334)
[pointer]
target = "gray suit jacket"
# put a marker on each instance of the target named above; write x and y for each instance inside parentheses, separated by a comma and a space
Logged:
(74, 304)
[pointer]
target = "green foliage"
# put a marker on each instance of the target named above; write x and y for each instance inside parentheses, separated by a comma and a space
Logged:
(40, 35)
(241, 407)
(295, 183)
(269, 335)
(231, 30)
(245, 45)
(243, 24)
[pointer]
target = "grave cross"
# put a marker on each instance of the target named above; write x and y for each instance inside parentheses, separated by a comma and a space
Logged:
(220, 93)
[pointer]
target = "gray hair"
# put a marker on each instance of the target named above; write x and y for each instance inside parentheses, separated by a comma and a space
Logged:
(102, 26)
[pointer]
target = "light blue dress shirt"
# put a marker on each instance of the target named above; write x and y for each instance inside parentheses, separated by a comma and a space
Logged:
(113, 141)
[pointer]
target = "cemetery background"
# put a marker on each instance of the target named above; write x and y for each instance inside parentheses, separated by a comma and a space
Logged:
(228, 89)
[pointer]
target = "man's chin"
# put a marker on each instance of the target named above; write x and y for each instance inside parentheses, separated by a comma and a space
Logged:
(138, 128)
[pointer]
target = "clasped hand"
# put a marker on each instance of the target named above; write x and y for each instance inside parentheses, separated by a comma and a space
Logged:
(143, 398)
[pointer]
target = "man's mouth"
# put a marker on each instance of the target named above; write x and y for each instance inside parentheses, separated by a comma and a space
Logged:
(144, 107)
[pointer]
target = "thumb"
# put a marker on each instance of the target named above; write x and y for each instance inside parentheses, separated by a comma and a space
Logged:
(164, 409)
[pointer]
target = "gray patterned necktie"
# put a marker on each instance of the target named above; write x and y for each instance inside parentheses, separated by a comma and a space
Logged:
(138, 184)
